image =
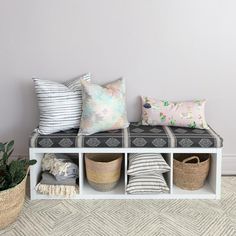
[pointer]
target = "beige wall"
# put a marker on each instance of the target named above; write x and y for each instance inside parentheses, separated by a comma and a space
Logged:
(168, 49)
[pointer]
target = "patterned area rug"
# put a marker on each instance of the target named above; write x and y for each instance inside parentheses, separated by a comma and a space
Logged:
(130, 217)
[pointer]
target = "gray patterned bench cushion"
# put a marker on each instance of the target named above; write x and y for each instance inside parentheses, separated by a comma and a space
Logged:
(136, 136)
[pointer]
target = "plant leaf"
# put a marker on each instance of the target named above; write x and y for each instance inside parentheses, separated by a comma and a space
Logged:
(10, 145)
(2, 147)
(4, 157)
(9, 154)
(32, 162)
(17, 171)
(14, 172)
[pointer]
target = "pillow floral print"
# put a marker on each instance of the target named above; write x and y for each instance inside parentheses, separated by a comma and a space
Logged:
(184, 114)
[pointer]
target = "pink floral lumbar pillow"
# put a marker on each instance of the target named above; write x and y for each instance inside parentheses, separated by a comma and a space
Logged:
(104, 107)
(184, 114)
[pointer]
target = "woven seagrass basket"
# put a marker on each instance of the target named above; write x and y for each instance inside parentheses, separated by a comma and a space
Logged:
(11, 203)
(103, 170)
(191, 172)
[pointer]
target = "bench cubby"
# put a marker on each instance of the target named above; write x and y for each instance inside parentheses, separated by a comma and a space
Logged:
(35, 175)
(87, 190)
(211, 189)
(167, 176)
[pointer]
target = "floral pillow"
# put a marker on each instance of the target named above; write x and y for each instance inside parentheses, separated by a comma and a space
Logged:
(104, 107)
(185, 114)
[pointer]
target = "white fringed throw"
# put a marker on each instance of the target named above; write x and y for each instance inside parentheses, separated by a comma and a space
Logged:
(57, 190)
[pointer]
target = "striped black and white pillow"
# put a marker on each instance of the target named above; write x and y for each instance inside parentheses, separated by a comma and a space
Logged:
(147, 184)
(60, 104)
(147, 163)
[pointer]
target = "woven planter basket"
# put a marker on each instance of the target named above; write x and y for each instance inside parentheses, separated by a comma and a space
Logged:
(11, 203)
(103, 170)
(190, 173)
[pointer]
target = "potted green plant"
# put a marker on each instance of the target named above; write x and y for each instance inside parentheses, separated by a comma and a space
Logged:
(13, 176)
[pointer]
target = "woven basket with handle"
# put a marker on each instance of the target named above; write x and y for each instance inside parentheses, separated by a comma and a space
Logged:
(103, 170)
(190, 173)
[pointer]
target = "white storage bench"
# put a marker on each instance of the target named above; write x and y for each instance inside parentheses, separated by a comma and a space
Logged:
(135, 139)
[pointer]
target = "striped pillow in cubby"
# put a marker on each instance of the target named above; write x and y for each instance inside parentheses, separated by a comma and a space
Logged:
(147, 163)
(147, 184)
(60, 104)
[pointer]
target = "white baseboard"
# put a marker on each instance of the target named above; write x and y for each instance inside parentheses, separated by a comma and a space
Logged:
(229, 164)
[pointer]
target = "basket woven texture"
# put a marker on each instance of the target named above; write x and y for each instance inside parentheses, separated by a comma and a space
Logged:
(11, 203)
(191, 176)
(103, 170)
